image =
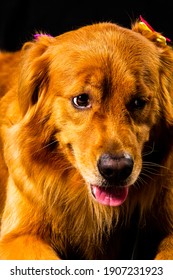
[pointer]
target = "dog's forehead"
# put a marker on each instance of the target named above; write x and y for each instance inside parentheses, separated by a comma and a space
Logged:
(106, 36)
(102, 53)
(105, 44)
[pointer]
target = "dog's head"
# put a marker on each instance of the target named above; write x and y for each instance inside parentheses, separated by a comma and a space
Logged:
(96, 97)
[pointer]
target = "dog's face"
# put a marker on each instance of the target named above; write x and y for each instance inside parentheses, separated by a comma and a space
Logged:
(95, 96)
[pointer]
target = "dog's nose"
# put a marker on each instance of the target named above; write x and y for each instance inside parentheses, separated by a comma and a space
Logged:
(115, 168)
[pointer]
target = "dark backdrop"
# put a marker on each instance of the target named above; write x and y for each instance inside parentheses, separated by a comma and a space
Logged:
(20, 19)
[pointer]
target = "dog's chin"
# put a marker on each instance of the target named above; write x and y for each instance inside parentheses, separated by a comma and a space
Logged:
(110, 196)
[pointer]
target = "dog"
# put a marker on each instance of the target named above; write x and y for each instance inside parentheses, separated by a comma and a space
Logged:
(87, 145)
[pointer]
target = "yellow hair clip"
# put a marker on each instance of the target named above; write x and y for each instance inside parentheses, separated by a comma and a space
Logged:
(146, 26)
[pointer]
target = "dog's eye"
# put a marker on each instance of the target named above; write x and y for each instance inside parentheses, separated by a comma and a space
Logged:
(137, 103)
(81, 101)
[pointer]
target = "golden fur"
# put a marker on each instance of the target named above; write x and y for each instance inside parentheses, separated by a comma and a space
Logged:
(50, 147)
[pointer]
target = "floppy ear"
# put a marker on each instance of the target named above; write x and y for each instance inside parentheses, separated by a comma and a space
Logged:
(165, 54)
(166, 84)
(33, 79)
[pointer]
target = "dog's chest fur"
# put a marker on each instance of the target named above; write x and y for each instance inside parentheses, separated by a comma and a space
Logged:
(124, 243)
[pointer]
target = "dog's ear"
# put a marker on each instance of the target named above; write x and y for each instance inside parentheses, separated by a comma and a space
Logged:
(165, 54)
(33, 79)
(166, 84)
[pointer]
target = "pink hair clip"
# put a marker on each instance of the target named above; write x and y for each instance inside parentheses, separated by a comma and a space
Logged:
(38, 35)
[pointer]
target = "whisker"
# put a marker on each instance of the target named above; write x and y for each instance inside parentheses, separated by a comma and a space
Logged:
(153, 164)
(152, 172)
(144, 174)
(44, 147)
(152, 169)
(150, 152)
(140, 181)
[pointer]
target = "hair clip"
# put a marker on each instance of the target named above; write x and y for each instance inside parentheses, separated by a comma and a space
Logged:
(38, 35)
(146, 26)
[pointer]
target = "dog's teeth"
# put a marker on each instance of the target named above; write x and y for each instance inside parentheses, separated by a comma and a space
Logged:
(94, 190)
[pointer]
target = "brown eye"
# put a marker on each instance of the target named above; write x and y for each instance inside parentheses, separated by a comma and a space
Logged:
(81, 101)
(137, 103)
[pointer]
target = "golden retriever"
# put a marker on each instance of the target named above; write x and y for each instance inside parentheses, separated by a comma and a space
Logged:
(86, 146)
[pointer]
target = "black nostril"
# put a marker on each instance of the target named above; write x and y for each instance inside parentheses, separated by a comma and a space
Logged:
(115, 167)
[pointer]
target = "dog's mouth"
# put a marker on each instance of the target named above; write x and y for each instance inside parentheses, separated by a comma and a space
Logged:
(110, 196)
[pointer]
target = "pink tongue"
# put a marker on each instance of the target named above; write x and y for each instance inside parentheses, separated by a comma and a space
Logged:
(111, 197)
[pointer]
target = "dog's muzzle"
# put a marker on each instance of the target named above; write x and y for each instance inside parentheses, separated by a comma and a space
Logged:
(115, 170)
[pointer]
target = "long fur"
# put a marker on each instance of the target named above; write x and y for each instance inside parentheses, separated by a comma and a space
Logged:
(49, 149)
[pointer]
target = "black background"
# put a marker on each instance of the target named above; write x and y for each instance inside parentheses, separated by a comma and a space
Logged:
(20, 19)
